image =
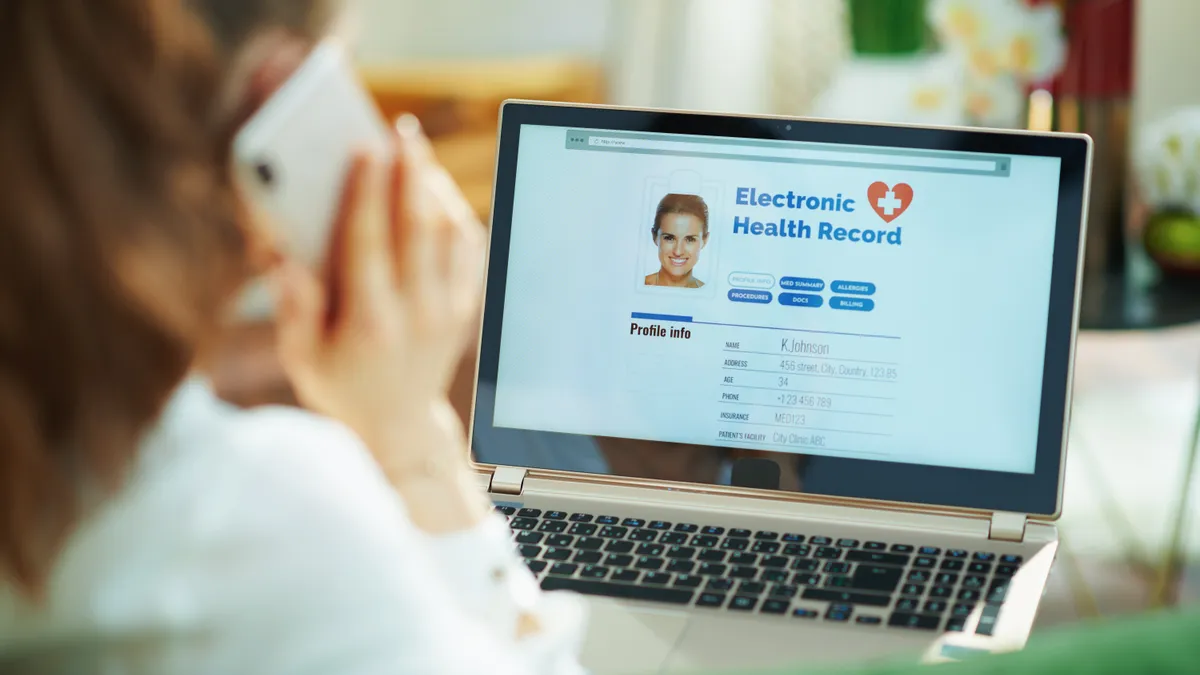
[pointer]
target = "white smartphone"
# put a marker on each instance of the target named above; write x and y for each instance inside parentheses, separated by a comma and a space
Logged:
(292, 156)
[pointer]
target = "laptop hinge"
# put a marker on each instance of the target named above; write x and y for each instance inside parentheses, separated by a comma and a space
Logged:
(1007, 526)
(507, 480)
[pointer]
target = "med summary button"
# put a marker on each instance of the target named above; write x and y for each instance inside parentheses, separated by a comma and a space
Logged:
(743, 295)
(802, 284)
(853, 287)
(853, 304)
(801, 300)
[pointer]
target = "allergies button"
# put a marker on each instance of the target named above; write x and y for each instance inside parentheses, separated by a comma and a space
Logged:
(853, 287)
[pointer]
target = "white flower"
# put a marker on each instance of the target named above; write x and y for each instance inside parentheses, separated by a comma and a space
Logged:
(968, 24)
(1034, 49)
(1167, 162)
(995, 102)
(1002, 36)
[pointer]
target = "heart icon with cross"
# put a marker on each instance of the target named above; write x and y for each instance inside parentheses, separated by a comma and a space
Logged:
(889, 202)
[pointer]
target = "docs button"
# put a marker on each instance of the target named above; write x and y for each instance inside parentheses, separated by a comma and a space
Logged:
(853, 304)
(801, 300)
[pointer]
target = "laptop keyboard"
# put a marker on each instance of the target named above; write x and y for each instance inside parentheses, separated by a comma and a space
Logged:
(774, 573)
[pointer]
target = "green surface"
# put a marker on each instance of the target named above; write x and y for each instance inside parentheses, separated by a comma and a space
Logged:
(887, 27)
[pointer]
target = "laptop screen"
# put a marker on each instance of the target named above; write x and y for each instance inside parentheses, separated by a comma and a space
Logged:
(679, 302)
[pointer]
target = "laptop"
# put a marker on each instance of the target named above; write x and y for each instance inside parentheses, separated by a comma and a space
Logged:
(771, 391)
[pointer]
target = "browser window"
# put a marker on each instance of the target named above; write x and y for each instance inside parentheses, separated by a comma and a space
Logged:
(818, 299)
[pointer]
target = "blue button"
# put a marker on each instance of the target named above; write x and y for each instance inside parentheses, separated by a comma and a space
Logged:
(854, 304)
(801, 300)
(744, 295)
(853, 287)
(802, 284)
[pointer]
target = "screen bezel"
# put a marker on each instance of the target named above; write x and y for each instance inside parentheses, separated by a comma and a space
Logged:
(1038, 493)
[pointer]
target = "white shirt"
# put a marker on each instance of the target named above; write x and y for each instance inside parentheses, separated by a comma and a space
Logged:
(267, 542)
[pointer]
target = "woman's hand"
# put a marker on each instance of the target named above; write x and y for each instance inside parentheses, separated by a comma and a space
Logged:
(377, 343)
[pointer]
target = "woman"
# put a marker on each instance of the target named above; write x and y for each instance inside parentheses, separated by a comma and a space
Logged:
(145, 527)
(680, 232)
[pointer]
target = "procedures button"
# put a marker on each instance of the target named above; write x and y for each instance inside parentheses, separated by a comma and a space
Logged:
(742, 295)
(854, 304)
(853, 287)
(801, 300)
(802, 284)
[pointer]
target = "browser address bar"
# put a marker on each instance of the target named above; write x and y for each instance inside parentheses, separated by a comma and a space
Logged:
(799, 154)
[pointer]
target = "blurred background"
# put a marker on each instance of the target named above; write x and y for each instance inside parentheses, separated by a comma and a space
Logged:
(1122, 71)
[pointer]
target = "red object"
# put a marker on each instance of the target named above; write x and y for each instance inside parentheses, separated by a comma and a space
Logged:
(889, 202)
(1099, 50)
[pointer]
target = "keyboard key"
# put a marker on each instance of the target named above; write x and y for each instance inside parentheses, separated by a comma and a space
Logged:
(820, 541)
(743, 559)
(952, 565)
(633, 522)
(681, 552)
(659, 525)
(554, 526)
(779, 576)
(506, 510)
(912, 589)
(557, 553)
(656, 578)
(773, 561)
(803, 613)
(607, 520)
(628, 576)
(710, 600)
(673, 538)
(688, 581)
(918, 577)
(868, 620)
(678, 596)
(559, 540)
(581, 517)
(618, 546)
(563, 569)
(837, 567)
(764, 535)
(838, 613)
(647, 562)
(765, 547)
(743, 572)
(963, 609)
(527, 537)
(848, 543)
(974, 582)
(847, 597)
(523, 523)
(984, 557)
(804, 579)
(529, 513)
(905, 620)
(712, 569)
(739, 532)
(979, 568)
(877, 578)
(946, 578)
(1011, 559)
(712, 529)
(681, 566)
(1006, 570)
(775, 606)
(593, 572)
(877, 558)
(643, 535)
(555, 515)
(956, 625)
(902, 548)
(908, 605)
(873, 546)
(798, 550)
(784, 591)
(585, 529)
(735, 544)
(836, 581)
(941, 592)
(792, 537)
(589, 543)
(618, 560)
(704, 541)
(828, 553)
(956, 553)
(930, 550)
(924, 562)
(588, 557)
(613, 532)
(935, 607)
(743, 604)
(997, 593)
(969, 595)
(711, 555)
(686, 528)
(987, 620)
(651, 549)
(806, 565)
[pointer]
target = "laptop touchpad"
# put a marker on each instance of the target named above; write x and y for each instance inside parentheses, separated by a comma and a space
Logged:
(623, 639)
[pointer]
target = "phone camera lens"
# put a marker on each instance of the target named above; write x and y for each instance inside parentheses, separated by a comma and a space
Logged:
(265, 172)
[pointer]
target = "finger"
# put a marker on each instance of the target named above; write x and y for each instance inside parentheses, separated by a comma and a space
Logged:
(366, 265)
(340, 261)
(417, 220)
(300, 312)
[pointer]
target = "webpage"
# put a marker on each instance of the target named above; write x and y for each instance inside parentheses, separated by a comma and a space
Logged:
(875, 303)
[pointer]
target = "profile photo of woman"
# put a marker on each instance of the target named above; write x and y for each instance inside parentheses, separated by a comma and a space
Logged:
(680, 231)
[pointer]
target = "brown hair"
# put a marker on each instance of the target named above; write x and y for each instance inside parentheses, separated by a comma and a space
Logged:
(120, 245)
(675, 202)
